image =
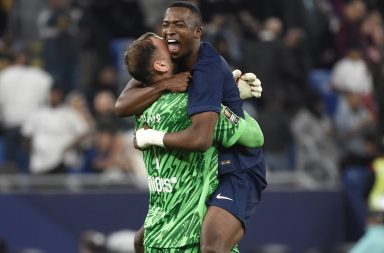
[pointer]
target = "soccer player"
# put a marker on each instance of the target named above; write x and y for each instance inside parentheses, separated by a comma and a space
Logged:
(241, 170)
(179, 182)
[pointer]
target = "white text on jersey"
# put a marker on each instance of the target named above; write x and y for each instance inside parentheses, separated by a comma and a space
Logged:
(159, 184)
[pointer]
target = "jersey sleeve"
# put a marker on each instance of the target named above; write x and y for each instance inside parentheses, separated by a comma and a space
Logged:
(252, 136)
(206, 90)
(229, 127)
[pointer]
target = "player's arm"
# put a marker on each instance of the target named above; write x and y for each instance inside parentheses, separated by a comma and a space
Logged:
(136, 96)
(231, 129)
(228, 130)
(206, 127)
(252, 136)
(197, 137)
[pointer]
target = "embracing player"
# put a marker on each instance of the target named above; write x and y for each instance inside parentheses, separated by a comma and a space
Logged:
(241, 170)
(179, 182)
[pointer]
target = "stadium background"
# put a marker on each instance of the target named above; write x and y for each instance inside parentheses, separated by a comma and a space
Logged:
(321, 159)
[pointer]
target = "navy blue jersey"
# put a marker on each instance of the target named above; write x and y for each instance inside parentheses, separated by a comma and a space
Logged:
(213, 85)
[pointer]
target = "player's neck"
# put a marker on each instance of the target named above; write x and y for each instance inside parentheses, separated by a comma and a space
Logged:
(159, 77)
(187, 62)
(195, 54)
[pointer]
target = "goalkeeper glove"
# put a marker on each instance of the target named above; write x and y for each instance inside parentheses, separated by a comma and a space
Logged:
(249, 85)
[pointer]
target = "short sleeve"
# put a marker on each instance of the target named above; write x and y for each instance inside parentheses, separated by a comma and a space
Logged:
(206, 90)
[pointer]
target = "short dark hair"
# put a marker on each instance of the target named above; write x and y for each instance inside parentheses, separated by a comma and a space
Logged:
(192, 7)
(138, 56)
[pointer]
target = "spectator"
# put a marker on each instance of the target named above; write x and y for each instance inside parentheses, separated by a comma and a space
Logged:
(58, 27)
(356, 132)
(349, 30)
(353, 124)
(277, 135)
(373, 31)
(106, 80)
(316, 19)
(249, 25)
(77, 102)
(223, 32)
(23, 90)
(6, 56)
(107, 154)
(136, 160)
(268, 50)
(22, 19)
(352, 75)
(295, 66)
(103, 110)
(53, 132)
(153, 11)
(317, 154)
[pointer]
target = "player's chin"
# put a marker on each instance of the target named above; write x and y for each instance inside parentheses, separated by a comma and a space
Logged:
(175, 56)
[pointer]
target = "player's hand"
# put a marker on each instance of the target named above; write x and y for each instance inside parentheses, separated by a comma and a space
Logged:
(177, 83)
(249, 85)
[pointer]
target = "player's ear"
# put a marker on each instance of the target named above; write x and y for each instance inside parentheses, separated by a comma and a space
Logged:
(161, 66)
(198, 32)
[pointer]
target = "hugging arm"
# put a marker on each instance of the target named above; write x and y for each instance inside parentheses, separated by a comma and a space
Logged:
(206, 127)
(198, 137)
(136, 96)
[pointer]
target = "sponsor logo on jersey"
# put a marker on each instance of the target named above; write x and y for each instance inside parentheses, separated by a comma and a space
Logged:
(150, 119)
(233, 118)
(158, 184)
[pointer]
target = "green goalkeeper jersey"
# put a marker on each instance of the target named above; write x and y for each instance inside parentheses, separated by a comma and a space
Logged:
(180, 182)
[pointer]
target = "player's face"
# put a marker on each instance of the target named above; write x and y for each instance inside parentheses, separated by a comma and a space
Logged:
(178, 31)
(162, 50)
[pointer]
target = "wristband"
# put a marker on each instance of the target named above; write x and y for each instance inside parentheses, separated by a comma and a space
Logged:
(156, 137)
(148, 137)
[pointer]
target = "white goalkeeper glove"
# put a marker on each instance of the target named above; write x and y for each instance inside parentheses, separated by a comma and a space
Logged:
(148, 137)
(249, 85)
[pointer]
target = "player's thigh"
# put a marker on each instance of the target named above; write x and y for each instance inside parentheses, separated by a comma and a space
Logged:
(221, 228)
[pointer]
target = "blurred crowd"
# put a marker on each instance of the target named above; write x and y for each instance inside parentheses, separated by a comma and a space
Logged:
(320, 62)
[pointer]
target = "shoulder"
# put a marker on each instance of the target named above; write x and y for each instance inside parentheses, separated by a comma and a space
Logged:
(208, 56)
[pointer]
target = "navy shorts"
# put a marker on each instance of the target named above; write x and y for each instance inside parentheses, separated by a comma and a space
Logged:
(239, 192)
